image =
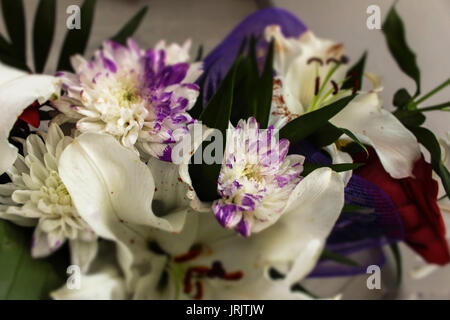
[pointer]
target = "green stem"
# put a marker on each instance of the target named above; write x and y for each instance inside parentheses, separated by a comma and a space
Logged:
(322, 87)
(435, 107)
(435, 90)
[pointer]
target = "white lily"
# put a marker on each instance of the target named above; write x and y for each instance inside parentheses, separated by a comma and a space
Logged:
(210, 262)
(18, 90)
(122, 199)
(310, 74)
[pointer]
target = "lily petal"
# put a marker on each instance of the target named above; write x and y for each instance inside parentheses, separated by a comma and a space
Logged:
(15, 96)
(395, 145)
(106, 284)
(113, 192)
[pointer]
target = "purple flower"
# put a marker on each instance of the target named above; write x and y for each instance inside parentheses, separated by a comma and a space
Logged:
(139, 96)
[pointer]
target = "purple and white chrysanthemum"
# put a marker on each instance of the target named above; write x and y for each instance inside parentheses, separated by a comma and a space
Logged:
(256, 178)
(139, 96)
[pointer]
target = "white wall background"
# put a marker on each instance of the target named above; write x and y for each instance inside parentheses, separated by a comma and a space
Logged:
(208, 21)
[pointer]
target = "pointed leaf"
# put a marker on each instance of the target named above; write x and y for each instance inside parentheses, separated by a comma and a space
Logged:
(355, 74)
(340, 167)
(130, 27)
(43, 30)
(429, 141)
(265, 89)
(394, 33)
(398, 261)
(308, 123)
(14, 16)
(218, 111)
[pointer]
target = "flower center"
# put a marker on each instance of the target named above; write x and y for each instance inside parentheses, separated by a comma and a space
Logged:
(190, 277)
(55, 191)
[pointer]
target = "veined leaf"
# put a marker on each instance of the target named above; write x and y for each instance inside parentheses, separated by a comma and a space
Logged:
(14, 16)
(308, 123)
(355, 74)
(21, 276)
(339, 167)
(76, 40)
(429, 141)
(130, 27)
(394, 33)
(43, 30)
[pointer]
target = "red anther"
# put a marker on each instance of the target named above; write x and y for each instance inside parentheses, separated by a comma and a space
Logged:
(192, 254)
(199, 290)
(317, 87)
(335, 87)
(187, 281)
(200, 270)
(329, 60)
(310, 60)
(217, 270)
(237, 275)
(355, 86)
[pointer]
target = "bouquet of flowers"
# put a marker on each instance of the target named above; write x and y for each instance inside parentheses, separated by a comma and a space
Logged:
(145, 174)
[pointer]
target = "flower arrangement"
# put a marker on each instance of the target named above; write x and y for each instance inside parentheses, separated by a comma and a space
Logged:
(234, 176)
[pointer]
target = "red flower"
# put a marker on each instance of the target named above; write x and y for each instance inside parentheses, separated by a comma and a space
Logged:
(416, 202)
(31, 115)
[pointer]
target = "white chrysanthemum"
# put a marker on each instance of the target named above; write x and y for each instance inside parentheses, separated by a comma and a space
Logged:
(37, 194)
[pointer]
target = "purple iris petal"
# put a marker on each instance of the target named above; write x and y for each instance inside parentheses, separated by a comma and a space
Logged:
(223, 56)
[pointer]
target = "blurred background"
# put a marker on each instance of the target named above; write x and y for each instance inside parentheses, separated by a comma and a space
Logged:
(207, 22)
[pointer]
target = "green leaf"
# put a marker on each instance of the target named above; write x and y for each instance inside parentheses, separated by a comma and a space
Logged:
(199, 56)
(429, 141)
(265, 90)
(339, 167)
(308, 123)
(14, 16)
(355, 139)
(130, 27)
(325, 135)
(76, 39)
(8, 56)
(402, 98)
(21, 276)
(197, 109)
(218, 111)
(216, 115)
(394, 33)
(330, 255)
(410, 118)
(355, 74)
(43, 30)
(348, 207)
(398, 261)
(245, 98)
